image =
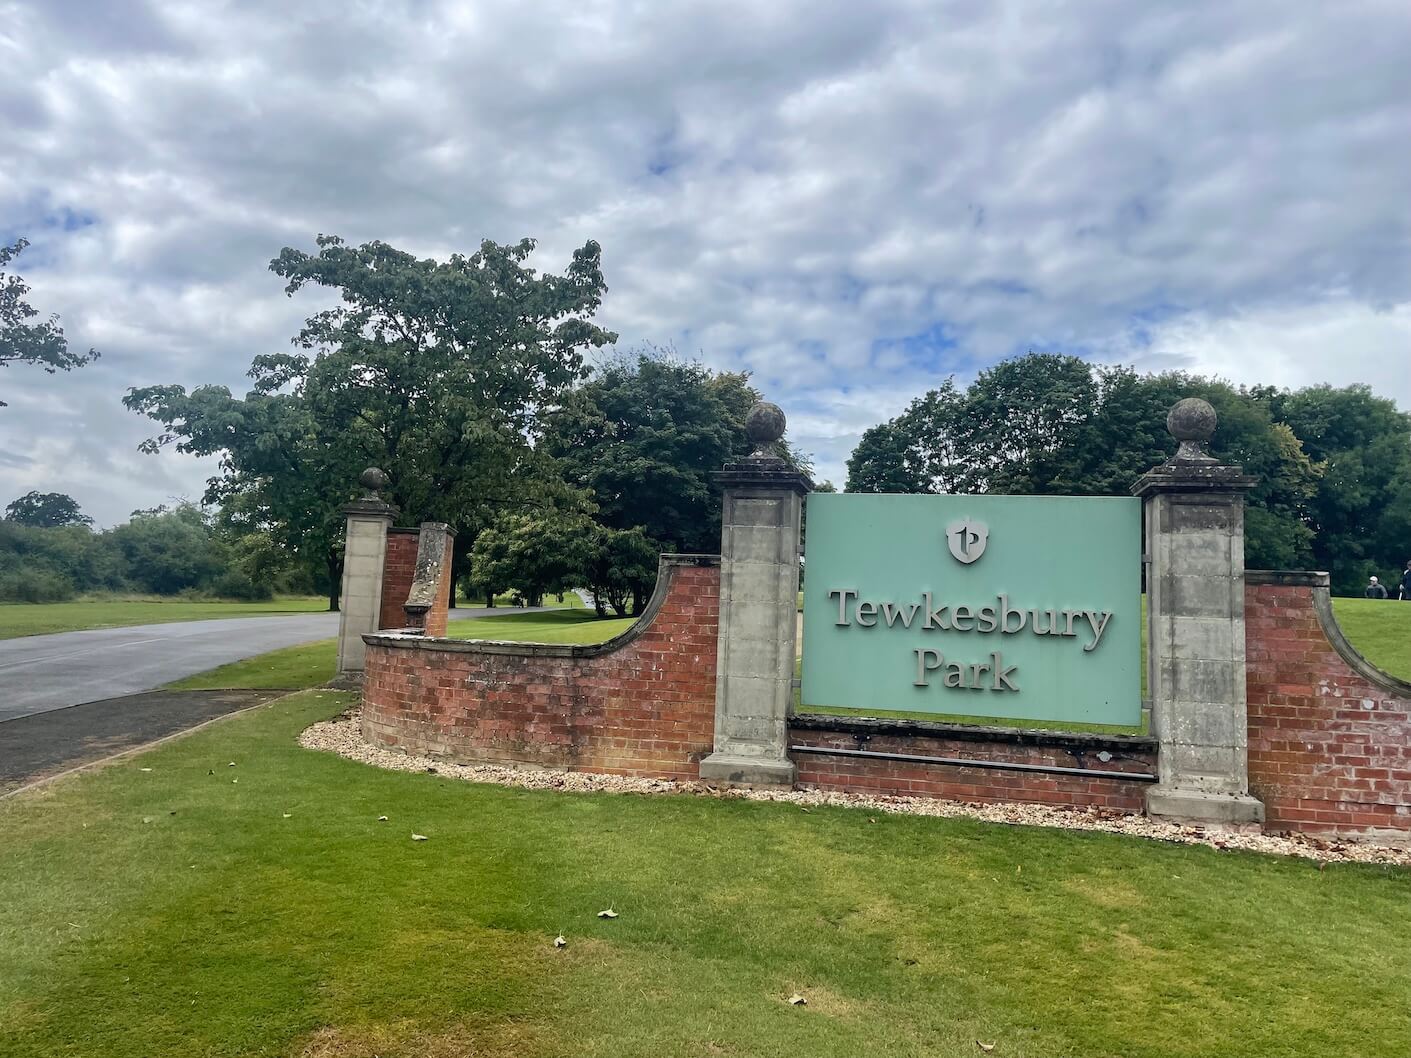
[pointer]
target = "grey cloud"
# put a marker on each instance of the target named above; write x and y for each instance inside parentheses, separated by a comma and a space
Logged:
(795, 189)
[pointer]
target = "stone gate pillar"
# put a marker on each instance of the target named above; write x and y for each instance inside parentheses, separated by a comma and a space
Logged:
(1193, 511)
(759, 584)
(364, 556)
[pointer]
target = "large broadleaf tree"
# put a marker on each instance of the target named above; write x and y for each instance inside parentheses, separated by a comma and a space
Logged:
(434, 371)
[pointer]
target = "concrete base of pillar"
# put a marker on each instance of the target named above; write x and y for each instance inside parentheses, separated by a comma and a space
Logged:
(1196, 806)
(748, 771)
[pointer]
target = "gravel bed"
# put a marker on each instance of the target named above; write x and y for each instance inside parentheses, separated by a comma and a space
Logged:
(345, 739)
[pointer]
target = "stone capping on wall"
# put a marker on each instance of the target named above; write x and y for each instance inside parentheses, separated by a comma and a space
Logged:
(1084, 741)
(666, 571)
(1323, 607)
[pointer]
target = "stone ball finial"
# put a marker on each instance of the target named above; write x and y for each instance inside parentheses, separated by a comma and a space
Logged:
(374, 480)
(1192, 422)
(763, 426)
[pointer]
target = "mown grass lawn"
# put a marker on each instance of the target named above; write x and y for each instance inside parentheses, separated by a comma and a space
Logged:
(177, 912)
(1380, 629)
(311, 664)
(35, 619)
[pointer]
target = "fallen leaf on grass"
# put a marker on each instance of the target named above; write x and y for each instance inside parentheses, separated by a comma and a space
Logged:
(797, 1000)
(609, 913)
(986, 1047)
(559, 942)
(418, 837)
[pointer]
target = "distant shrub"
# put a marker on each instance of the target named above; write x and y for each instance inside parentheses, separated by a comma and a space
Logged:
(35, 586)
(239, 585)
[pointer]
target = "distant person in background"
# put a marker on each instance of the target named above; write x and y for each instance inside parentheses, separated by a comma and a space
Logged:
(1375, 589)
(1406, 583)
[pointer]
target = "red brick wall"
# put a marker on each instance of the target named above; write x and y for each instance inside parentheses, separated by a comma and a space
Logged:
(438, 616)
(397, 576)
(958, 783)
(1329, 745)
(646, 708)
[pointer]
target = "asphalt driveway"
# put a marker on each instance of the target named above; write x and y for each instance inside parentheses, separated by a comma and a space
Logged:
(42, 673)
(43, 744)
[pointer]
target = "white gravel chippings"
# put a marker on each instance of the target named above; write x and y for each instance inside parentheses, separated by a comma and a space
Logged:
(343, 737)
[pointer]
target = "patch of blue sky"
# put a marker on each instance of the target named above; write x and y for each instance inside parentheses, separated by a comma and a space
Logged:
(66, 219)
(934, 348)
(1012, 287)
(39, 227)
(665, 153)
(1143, 324)
(846, 288)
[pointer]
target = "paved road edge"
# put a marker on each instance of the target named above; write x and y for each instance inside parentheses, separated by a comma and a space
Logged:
(113, 758)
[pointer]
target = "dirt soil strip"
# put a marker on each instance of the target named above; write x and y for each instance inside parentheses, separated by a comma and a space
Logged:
(45, 744)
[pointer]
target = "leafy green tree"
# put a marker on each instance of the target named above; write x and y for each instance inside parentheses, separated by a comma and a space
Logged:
(1045, 424)
(432, 370)
(1022, 421)
(620, 568)
(46, 510)
(920, 450)
(1360, 515)
(539, 553)
(169, 551)
(51, 564)
(643, 437)
(280, 475)
(24, 342)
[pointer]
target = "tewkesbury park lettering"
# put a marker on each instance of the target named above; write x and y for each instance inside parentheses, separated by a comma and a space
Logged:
(1000, 618)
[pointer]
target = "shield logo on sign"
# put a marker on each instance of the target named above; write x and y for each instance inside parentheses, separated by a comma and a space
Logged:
(966, 539)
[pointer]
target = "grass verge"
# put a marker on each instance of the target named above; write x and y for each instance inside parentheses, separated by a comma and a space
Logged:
(1380, 629)
(34, 619)
(551, 626)
(176, 912)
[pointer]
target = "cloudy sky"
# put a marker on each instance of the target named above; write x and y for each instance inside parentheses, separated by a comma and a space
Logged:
(851, 200)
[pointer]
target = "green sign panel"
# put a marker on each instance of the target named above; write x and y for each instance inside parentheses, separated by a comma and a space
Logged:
(1027, 607)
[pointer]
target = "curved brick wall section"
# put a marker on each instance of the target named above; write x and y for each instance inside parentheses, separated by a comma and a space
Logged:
(397, 576)
(642, 704)
(1329, 736)
(1134, 755)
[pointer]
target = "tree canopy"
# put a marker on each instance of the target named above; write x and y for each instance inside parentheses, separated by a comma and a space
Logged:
(161, 551)
(46, 510)
(644, 434)
(22, 341)
(432, 370)
(1333, 466)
